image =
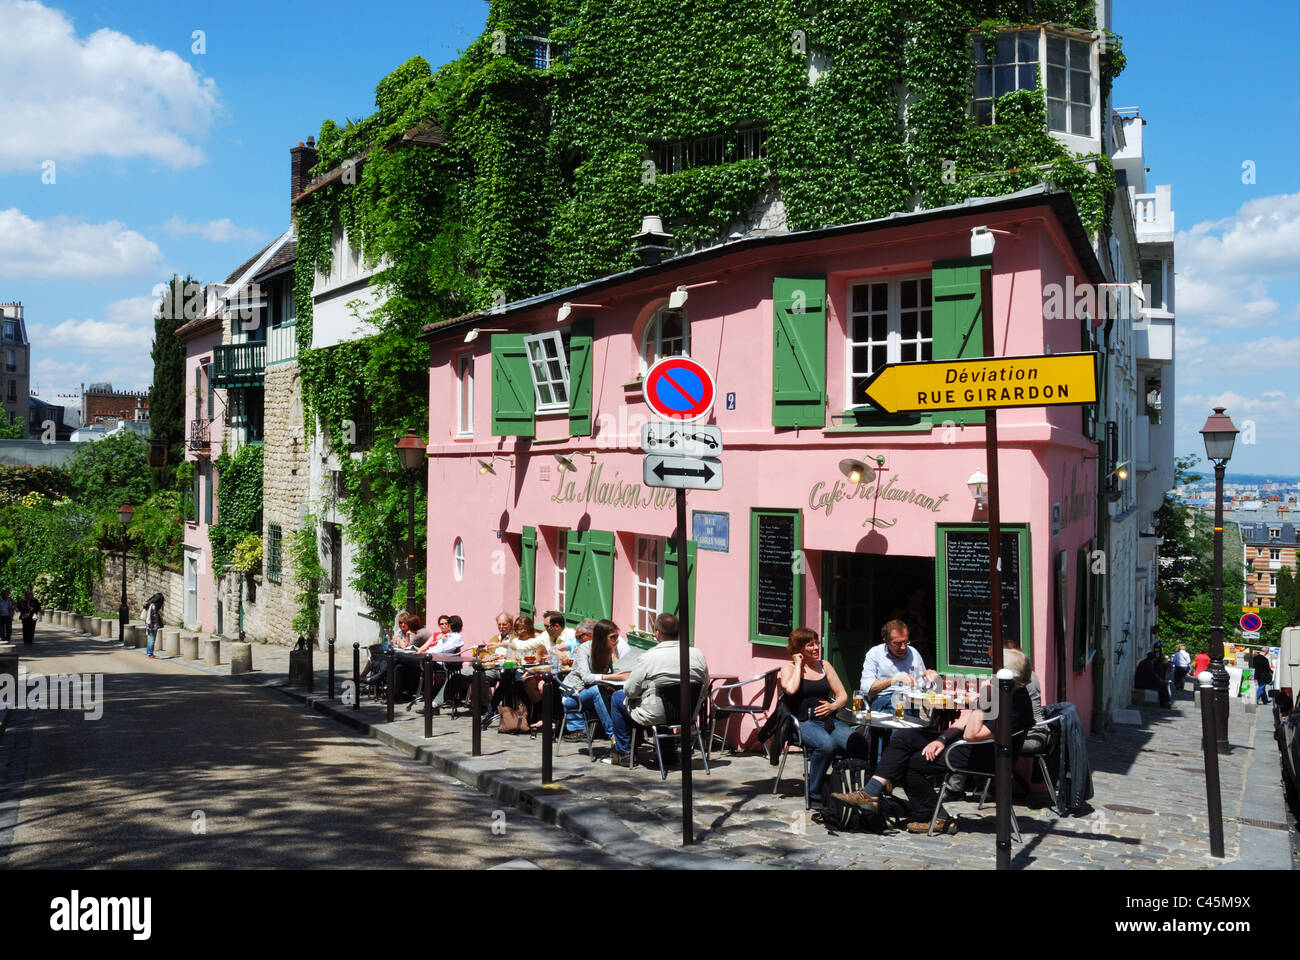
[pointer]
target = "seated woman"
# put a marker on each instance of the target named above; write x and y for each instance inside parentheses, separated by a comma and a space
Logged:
(447, 642)
(591, 665)
(914, 758)
(377, 664)
(523, 642)
(812, 692)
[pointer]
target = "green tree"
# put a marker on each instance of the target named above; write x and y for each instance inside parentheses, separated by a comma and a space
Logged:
(12, 429)
(112, 471)
(1288, 595)
(1186, 553)
(179, 304)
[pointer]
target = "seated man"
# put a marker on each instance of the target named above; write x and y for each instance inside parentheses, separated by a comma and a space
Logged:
(891, 666)
(637, 701)
(913, 757)
(1150, 676)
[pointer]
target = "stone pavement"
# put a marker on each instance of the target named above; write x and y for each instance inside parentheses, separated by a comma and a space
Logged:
(1148, 811)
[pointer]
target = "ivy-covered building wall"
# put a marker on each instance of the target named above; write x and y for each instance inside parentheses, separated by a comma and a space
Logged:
(528, 163)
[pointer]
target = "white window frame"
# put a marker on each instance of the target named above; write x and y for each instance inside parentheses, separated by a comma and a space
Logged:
(1275, 533)
(647, 582)
(1275, 553)
(1041, 76)
(465, 394)
(458, 559)
(652, 339)
(894, 341)
(561, 568)
(556, 342)
(1071, 70)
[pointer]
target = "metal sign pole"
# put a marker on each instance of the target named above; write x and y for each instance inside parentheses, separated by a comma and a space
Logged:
(684, 648)
(1002, 730)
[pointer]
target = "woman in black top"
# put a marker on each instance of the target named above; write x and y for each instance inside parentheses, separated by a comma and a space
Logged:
(812, 692)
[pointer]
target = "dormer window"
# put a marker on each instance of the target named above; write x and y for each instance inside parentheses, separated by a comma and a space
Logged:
(1275, 533)
(1021, 58)
(666, 334)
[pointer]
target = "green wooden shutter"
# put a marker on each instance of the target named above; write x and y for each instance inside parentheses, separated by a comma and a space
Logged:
(580, 407)
(590, 574)
(512, 387)
(672, 602)
(799, 352)
(528, 573)
(957, 320)
(207, 492)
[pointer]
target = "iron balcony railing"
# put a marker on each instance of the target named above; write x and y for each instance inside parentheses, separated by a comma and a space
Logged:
(239, 365)
(199, 434)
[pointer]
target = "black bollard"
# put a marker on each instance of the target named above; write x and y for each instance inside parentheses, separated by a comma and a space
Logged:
(476, 708)
(1002, 768)
(311, 664)
(356, 676)
(1209, 746)
(428, 698)
(392, 680)
(331, 681)
(546, 729)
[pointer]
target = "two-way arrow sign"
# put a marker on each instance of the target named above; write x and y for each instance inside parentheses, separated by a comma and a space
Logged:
(682, 473)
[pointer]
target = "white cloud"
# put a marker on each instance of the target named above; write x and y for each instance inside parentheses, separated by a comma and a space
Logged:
(127, 329)
(65, 247)
(1269, 422)
(1200, 358)
(214, 231)
(1225, 268)
(64, 98)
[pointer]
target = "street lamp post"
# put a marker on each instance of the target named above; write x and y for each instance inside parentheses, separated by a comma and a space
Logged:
(1219, 434)
(411, 449)
(124, 513)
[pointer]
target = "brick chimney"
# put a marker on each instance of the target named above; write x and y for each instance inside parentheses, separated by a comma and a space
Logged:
(301, 159)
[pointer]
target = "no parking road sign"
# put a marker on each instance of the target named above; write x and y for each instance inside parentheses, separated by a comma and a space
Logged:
(1251, 622)
(678, 388)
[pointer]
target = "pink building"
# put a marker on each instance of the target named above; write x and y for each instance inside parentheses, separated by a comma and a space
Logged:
(535, 470)
(202, 337)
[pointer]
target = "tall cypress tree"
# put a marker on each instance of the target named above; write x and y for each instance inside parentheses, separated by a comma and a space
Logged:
(181, 302)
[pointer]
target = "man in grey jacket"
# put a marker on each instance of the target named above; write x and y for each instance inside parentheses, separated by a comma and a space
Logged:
(639, 701)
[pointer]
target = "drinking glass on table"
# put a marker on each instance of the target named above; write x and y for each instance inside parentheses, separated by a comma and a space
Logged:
(900, 704)
(859, 701)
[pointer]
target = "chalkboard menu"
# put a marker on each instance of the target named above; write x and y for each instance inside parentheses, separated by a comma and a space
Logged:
(968, 617)
(775, 580)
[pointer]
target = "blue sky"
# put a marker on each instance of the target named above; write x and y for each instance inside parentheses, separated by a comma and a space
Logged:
(166, 159)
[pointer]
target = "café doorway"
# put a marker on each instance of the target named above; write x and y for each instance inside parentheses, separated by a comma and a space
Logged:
(860, 593)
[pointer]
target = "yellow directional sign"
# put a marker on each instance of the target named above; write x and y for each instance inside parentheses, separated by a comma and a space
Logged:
(1062, 378)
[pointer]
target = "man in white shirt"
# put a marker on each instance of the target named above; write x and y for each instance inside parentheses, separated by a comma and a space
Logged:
(891, 666)
(639, 701)
(1182, 661)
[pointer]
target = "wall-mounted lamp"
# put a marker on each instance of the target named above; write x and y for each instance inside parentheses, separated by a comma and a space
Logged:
(858, 471)
(473, 334)
(1120, 470)
(566, 309)
(485, 466)
(566, 463)
(978, 485)
(677, 299)
(983, 239)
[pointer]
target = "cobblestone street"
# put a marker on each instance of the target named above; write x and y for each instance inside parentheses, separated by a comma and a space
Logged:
(1148, 810)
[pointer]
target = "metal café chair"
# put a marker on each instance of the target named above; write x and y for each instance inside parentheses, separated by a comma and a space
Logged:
(1040, 750)
(795, 739)
(587, 715)
(973, 776)
(670, 694)
(735, 707)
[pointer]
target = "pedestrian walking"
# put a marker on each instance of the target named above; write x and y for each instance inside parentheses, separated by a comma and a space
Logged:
(28, 610)
(6, 616)
(1182, 661)
(153, 620)
(1263, 675)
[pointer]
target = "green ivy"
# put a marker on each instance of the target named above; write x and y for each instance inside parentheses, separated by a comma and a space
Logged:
(239, 504)
(543, 179)
(308, 576)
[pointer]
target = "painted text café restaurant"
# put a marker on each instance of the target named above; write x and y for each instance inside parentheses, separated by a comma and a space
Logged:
(535, 467)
